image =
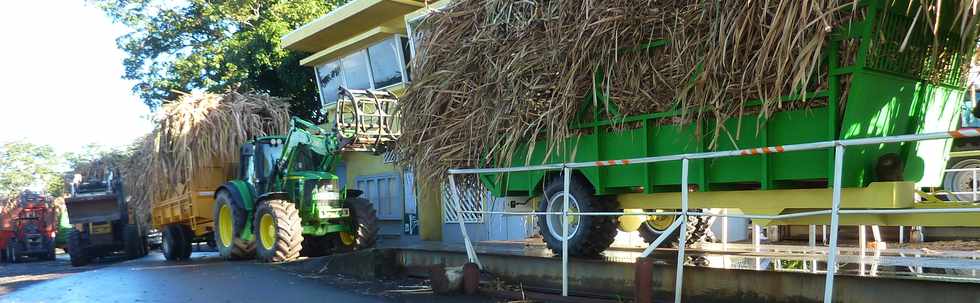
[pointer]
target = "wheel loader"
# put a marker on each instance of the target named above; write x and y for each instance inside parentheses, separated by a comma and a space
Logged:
(101, 222)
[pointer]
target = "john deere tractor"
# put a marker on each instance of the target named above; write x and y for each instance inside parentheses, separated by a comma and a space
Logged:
(288, 199)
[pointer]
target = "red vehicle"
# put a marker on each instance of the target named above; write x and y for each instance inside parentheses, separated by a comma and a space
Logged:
(28, 229)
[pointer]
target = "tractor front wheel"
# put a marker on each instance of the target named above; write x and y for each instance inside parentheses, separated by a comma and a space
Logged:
(229, 222)
(279, 231)
(364, 226)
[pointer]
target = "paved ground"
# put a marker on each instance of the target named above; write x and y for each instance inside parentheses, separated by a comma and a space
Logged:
(205, 278)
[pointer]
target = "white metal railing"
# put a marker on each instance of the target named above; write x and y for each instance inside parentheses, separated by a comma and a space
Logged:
(839, 147)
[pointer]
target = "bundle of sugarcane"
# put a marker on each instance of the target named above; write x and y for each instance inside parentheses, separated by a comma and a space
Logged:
(193, 132)
(492, 75)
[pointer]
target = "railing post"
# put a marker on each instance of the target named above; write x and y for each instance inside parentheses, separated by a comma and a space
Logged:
(566, 175)
(470, 252)
(974, 184)
(828, 292)
(682, 237)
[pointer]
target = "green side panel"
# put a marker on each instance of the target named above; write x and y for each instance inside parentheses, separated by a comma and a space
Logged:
(621, 145)
(668, 140)
(737, 134)
(784, 129)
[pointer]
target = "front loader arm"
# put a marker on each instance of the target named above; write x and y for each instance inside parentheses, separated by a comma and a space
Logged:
(318, 140)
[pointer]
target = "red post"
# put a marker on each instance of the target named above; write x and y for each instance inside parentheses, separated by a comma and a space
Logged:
(471, 278)
(643, 280)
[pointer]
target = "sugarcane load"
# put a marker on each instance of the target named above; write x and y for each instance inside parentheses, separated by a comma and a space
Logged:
(514, 83)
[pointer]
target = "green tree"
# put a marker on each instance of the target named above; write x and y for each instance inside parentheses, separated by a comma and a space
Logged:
(215, 45)
(26, 165)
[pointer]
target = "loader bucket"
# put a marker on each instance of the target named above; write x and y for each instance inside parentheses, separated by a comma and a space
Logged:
(95, 208)
(367, 120)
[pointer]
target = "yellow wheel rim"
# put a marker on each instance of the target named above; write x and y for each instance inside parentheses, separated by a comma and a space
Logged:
(225, 228)
(661, 223)
(267, 231)
(346, 238)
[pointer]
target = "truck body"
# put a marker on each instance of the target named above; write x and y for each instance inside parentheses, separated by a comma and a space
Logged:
(102, 226)
(29, 229)
(880, 91)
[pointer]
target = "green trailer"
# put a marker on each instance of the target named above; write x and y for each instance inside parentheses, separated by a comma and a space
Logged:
(879, 91)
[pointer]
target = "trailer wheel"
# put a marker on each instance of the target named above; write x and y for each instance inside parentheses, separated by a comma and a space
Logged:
(961, 181)
(76, 251)
(588, 235)
(698, 228)
(229, 221)
(132, 242)
(364, 225)
(175, 245)
(279, 231)
(188, 236)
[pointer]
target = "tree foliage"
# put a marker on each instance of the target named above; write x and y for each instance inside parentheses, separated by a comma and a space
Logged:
(26, 165)
(216, 45)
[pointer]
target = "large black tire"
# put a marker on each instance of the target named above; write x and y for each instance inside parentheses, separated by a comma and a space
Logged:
(231, 246)
(593, 235)
(76, 249)
(960, 181)
(698, 229)
(175, 245)
(132, 241)
(364, 224)
(188, 235)
(278, 231)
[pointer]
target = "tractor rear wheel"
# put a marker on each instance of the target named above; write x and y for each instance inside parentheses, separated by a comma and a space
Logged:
(279, 231)
(76, 251)
(588, 236)
(229, 222)
(364, 226)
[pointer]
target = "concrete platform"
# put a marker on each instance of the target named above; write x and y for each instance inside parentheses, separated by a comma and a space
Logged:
(727, 273)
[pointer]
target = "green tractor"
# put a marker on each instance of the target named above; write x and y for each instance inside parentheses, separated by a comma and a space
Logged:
(287, 198)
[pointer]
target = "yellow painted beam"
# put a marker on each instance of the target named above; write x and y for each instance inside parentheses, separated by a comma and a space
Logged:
(351, 45)
(348, 20)
(934, 220)
(876, 195)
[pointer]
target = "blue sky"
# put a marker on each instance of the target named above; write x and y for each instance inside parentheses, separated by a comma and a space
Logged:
(60, 77)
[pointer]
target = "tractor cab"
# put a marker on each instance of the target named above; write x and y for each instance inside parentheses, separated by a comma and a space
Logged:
(258, 162)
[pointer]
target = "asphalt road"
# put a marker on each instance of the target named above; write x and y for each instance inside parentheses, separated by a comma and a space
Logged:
(205, 278)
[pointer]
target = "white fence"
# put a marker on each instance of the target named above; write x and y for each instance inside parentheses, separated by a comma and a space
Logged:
(834, 210)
